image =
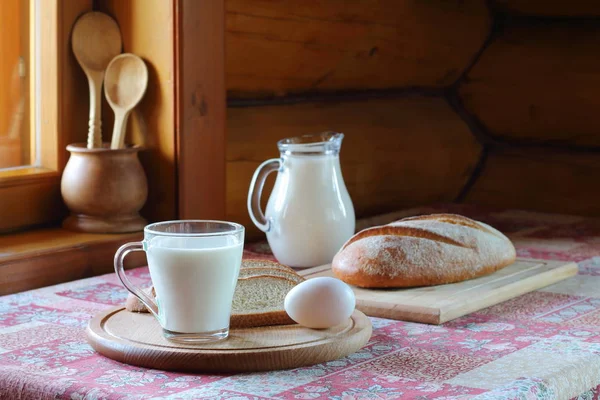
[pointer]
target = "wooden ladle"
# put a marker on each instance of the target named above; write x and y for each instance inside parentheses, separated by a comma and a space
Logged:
(95, 40)
(124, 86)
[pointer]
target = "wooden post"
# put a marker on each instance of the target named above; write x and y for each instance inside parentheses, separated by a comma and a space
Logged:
(200, 108)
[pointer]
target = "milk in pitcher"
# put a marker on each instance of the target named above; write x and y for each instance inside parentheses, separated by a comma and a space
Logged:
(309, 215)
(312, 217)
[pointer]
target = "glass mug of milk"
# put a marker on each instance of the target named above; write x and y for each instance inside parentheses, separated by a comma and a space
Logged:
(194, 266)
(309, 214)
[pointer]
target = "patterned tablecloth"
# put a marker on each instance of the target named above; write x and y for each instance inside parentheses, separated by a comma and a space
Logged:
(543, 345)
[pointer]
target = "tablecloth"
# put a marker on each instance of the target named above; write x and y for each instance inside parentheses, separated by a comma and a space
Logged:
(542, 345)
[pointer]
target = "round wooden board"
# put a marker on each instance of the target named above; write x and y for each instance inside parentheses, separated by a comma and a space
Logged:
(137, 339)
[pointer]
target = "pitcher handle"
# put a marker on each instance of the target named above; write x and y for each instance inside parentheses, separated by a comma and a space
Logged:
(258, 182)
(136, 291)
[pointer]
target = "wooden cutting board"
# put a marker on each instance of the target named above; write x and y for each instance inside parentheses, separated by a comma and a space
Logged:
(137, 339)
(439, 304)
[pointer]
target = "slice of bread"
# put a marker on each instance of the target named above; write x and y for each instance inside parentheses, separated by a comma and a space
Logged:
(258, 298)
(258, 301)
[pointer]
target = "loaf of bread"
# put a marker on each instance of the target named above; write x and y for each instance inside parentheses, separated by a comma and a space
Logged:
(422, 251)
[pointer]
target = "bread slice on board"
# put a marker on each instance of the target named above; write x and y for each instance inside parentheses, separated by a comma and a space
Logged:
(258, 301)
(422, 251)
(258, 298)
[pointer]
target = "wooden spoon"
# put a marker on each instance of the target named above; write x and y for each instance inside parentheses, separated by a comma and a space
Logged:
(96, 40)
(124, 86)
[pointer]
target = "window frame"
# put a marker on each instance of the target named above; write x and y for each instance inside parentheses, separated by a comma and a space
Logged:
(30, 195)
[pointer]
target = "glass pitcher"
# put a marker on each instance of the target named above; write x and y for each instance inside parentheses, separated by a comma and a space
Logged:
(309, 214)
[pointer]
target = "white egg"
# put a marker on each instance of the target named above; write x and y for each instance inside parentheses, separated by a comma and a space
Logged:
(320, 302)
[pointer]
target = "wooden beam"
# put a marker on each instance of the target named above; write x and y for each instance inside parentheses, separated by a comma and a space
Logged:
(200, 108)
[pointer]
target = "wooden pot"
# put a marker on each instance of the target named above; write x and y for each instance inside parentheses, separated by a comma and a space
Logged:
(104, 189)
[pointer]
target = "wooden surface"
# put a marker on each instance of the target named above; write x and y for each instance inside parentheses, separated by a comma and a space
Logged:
(147, 28)
(396, 152)
(200, 124)
(576, 8)
(536, 82)
(277, 48)
(540, 180)
(438, 304)
(45, 257)
(137, 339)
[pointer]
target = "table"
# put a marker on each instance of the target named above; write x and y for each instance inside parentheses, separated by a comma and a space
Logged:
(542, 345)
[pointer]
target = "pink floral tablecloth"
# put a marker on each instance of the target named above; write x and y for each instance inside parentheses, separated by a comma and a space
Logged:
(542, 345)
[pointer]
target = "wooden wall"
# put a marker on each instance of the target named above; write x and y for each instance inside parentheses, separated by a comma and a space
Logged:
(489, 102)
(279, 47)
(532, 97)
(148, 31)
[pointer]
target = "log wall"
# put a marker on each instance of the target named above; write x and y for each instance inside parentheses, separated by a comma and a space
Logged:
(483, 102)
(279, 47)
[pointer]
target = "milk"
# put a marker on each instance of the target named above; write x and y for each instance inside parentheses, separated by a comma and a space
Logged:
(310, 211)
(194, 279)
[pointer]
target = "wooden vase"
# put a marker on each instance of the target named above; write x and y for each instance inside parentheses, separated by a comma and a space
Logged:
(104, 189)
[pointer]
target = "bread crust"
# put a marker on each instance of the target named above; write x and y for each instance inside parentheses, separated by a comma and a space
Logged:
(422, 251)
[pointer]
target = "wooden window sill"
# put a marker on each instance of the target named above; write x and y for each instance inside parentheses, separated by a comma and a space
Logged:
(43, 257)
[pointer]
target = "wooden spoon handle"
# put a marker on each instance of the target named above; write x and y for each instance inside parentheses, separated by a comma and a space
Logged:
(119, 130)
(95, 79)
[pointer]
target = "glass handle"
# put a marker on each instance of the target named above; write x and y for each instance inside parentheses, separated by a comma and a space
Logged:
(256, 187)
(136, 291)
